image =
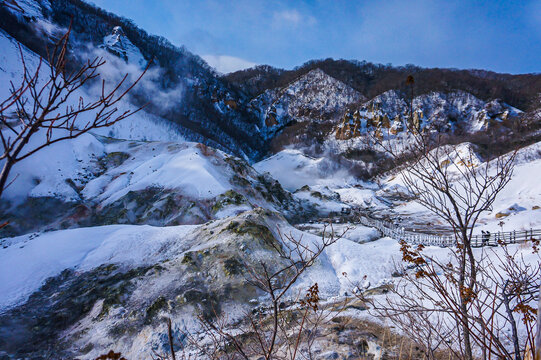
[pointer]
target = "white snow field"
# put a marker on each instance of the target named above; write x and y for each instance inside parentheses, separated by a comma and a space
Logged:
(27, 260)
(293, 170)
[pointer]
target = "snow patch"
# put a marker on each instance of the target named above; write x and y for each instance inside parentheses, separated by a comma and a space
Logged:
(293, 170)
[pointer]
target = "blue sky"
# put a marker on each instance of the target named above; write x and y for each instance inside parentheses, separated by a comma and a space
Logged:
(503, 36)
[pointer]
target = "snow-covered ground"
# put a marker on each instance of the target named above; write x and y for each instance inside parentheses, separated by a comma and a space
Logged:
(362, 197)
(27, 261)
(517, 206)
(294, 170)
(143, 153)
(46, 173)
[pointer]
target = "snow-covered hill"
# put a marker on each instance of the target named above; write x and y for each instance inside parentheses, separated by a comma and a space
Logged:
(294, 170)
(517, 207)
(314, 97)
(97, 180)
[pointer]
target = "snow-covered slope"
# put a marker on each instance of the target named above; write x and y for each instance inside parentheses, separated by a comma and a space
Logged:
(44, 174)
(11, 68)
(444, 112)
(294, 169)
(141, 126)
(171, 271)
(37, 257)
(95, 180)
(211, 183)
(517, 206)
(87, 248)
(180, 167)
(118, 44)
(164, 264)
(50, 171)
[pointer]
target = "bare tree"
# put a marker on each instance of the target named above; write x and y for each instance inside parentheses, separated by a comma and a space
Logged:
(426, 302)
(41, 107)
(459, 199)
(449, 181)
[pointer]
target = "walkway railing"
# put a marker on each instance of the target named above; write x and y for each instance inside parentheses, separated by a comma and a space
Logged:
(488, 239)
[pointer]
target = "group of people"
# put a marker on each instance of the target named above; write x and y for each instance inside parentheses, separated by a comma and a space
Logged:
(485, 236)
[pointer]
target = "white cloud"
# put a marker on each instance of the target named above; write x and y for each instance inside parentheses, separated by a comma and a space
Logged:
(292, 18)
(226, 64)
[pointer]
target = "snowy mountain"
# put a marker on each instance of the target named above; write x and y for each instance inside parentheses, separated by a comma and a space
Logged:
(179, 89)
(455, 102)
(314, 97)
(260, 110)
(164, 214)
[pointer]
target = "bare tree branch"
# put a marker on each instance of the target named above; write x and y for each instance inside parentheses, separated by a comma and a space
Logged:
(41, 106)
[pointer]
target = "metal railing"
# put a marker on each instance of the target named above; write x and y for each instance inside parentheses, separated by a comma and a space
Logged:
(488, 239)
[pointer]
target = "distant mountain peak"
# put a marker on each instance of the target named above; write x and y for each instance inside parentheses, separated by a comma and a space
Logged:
(314, 96)
(118, 44)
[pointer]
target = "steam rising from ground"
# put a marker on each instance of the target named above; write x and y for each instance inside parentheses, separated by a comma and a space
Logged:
(149, 88)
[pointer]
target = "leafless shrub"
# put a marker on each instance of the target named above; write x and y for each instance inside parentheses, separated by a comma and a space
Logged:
(276, 331)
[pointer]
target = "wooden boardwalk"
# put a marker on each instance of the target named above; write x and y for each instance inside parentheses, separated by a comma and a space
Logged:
(493, 239)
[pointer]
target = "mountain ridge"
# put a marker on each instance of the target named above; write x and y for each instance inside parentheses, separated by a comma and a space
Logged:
(233, 112)
(371, 79)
